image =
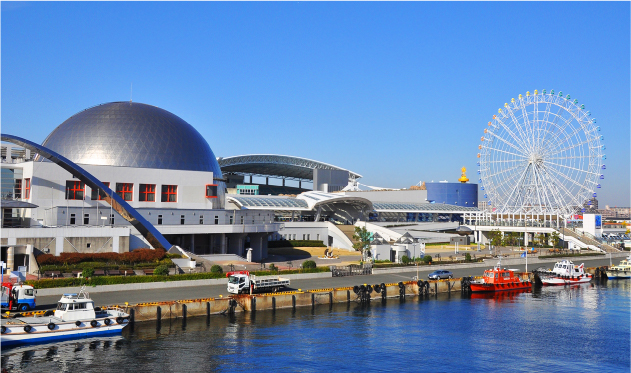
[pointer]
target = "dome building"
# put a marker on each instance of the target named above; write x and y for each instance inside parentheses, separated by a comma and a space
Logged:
(126, 134)
(155, 161)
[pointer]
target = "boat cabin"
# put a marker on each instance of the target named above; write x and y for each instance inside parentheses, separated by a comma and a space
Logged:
(499, 275)
(75, 307)
(567, 268)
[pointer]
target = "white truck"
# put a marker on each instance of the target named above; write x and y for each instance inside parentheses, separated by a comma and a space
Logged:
(241, 281)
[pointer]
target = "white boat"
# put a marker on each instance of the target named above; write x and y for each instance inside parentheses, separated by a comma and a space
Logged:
(565, 273)
(622, 270)
(75, 317)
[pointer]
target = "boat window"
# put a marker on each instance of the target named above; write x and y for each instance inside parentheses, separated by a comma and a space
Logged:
(505, 274)
(62, 306)
(233, 280)
(79, 306)
(496, 275)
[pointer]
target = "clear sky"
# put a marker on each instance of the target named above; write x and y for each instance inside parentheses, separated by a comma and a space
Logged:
(398, 92)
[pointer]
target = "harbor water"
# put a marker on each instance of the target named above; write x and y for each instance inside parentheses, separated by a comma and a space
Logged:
(581, 328)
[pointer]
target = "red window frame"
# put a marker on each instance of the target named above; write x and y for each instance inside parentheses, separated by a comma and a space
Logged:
(75, 189)
(145, 191)
(169, 193)
(207, 189)
(17, 189)
(107, 184)
(125, 191)
(27, 188)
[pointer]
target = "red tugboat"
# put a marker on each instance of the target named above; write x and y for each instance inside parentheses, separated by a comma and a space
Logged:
(499, 279)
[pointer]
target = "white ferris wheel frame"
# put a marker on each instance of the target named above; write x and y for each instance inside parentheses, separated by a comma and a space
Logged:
(541, 154)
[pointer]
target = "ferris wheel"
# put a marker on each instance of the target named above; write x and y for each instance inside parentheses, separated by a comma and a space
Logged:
(541, 154)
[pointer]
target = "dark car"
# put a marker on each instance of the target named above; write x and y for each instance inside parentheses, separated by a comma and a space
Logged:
(437, 275)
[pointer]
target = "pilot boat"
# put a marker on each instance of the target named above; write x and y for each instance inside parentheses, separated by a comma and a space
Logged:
(622, 270)
(565, 273)
(75, 317)
(499, 279)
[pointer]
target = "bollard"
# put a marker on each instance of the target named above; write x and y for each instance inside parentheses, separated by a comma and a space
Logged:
(330, 297)
(312, 300)
(348, 296)
(273, 303)
(132, 316)
(207, 309)
(293, 302)
(159, 313)
(253, 304)
(184, 311)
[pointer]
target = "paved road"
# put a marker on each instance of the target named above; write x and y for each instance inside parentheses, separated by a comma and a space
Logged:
(194, 292)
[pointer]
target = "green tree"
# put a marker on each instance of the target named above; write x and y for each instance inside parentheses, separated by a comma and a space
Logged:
(87, 272)
(555, 239)
(495, 237)
(362, 241)
(161, 270)
(216, 269)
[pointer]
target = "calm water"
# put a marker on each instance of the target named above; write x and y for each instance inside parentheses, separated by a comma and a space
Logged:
(583, 328)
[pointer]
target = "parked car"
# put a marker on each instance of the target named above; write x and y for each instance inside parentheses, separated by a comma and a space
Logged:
(440, 274)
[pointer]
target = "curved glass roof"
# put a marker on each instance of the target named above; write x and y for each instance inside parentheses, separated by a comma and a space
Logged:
(269, 202)
(422, 207)
(283, 166)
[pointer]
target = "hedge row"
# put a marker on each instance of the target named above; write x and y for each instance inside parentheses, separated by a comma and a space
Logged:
(131, 257)
(569, 255)
(295, 243)
(117, 280)
(66, 268)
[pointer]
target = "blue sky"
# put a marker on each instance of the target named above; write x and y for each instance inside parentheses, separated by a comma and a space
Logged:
(398, 92)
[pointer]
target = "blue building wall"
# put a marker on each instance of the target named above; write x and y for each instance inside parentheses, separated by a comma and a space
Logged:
(458, 194)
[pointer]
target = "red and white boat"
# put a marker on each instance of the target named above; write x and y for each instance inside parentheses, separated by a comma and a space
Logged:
(499, 279)
(565, 273)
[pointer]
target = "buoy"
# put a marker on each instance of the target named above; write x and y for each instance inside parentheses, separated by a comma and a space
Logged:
(51, 326)
(27, 328)
(120, 320)
(94, 323)
(107, 321)
(78, 323)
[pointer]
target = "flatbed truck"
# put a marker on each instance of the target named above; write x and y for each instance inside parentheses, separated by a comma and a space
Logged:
(243, 282)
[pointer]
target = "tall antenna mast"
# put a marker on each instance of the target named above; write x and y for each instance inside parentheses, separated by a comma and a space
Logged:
(131, 91)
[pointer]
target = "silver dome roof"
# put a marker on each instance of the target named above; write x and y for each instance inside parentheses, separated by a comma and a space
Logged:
(127, 134)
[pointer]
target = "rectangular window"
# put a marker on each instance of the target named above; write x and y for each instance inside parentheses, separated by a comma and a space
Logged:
(17, 189)
(95, 192)
(318, 236)
(73, 219)
(304, 236)
(216, 219)
(201, 219)
(27, 188)
(241, 219)
(211, 190)
(159, 219)
(74, 189)
(308, 237)
(125, 191)
(147, 193)
(112, 219)
(169, 193)
(231, 219)
(86, 219)
(182, 219)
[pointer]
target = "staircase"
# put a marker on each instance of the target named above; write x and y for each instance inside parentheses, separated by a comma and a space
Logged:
(589, 240)
(348, 230)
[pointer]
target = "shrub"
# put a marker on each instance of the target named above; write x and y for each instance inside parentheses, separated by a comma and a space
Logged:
(174, 256)
(467, 257)
(272, 267)
(216, 269)
(309, 264)
(88, 272)
(132, 257)
(405, 259)
(427, 259)
(161, 270)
